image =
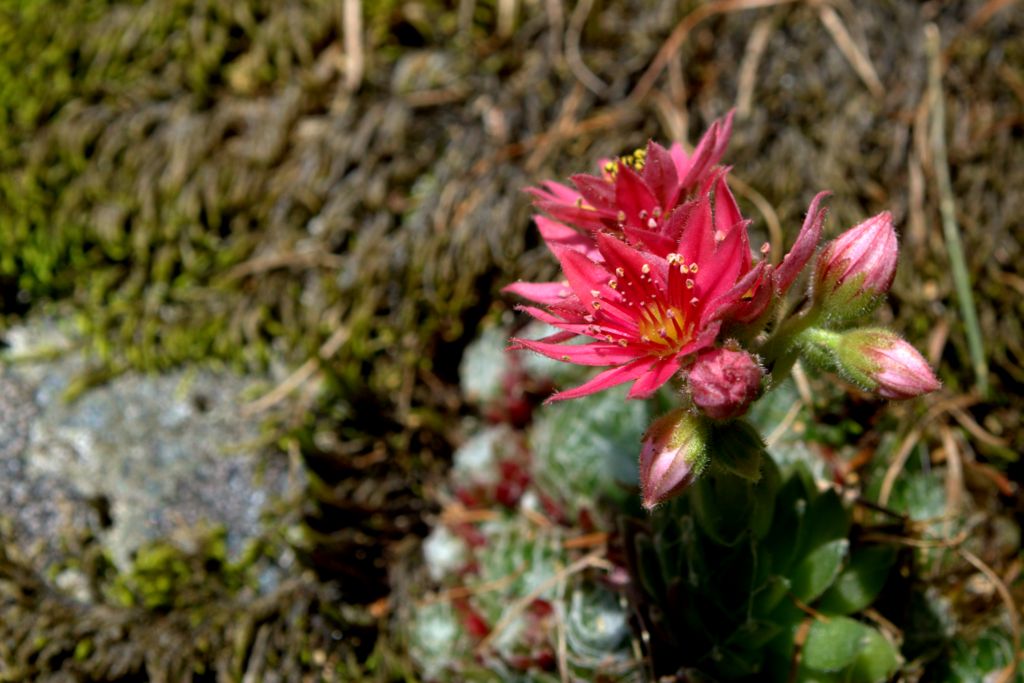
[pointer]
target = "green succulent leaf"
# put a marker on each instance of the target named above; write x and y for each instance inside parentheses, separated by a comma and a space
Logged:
(723, 505)
(770, 594)
(877, 661)
(860, 582)
(779, 546)
(833, 645)
(816, 572)
(842, 649)
(738, 448)
(754, 635)
(827, 520)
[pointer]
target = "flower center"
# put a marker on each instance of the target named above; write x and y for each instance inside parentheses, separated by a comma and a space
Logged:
(665, 327)
(636, 161)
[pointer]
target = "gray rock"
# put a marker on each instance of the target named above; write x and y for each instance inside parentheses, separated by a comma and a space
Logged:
(168, 455)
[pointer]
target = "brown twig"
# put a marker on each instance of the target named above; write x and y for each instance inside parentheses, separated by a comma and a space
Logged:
(556, 22)
(352, 29)
(300, 376)
(607, 118)
(854, 55)
(756, 45)
(565, 122)
(937, 339)
(897, 464)
(908, 443)
(460, 592)
(785, 424)
(456, 513)
(976, 21)
(563, 647)
(918, 542)
(673, 117)
(307, 259)
(675, 41)
(916, 227)
(803, 386)
(864, 502)
(876, 616)
(976, 430)
(572, 48)
(954, 477)
(598, 538)
(506, 20)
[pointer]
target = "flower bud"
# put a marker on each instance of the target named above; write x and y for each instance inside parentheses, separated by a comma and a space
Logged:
(857, 268)
(724, 382)
(673, 455)
(883, 362)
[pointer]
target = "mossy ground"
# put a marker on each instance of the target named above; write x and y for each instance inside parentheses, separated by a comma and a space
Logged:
(217, 181)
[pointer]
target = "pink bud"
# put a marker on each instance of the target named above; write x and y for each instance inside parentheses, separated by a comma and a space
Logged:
(673, 455)
(723, 383)
(858, 266)
(886, 363)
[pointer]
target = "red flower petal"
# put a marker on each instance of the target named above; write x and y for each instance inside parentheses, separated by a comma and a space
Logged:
(606, 379)
(660, 175)
(633, 198)
(596, 353)
(729, 302)
(806, 242)
(557, 234)
(654, 378)
(549, 293)
(598, 192)
(641, 275)
(703, 156)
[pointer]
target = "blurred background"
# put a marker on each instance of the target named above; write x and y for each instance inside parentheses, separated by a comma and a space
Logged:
(245, 246)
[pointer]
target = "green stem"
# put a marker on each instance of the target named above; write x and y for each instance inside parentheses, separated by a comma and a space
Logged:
(781, 343)
(822, 337)
(950, 230)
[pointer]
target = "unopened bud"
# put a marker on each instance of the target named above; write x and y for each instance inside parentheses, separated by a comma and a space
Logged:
(723, 383)
(857, 268)
(883, 362)
(673, 455)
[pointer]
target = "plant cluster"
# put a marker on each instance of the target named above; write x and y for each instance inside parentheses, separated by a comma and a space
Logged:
(661, 285)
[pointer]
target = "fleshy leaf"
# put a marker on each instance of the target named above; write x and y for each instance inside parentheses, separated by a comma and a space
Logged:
(860, 582)
(827, 520)
(770, 594)
(816, 572)
(877, 661)
(833, 645)
(738, 447)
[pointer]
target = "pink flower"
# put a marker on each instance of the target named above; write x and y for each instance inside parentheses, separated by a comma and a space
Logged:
(858, 267)
(883, 362)
(724, 382)
(646, 310)
(638, 192)
(673, 455)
